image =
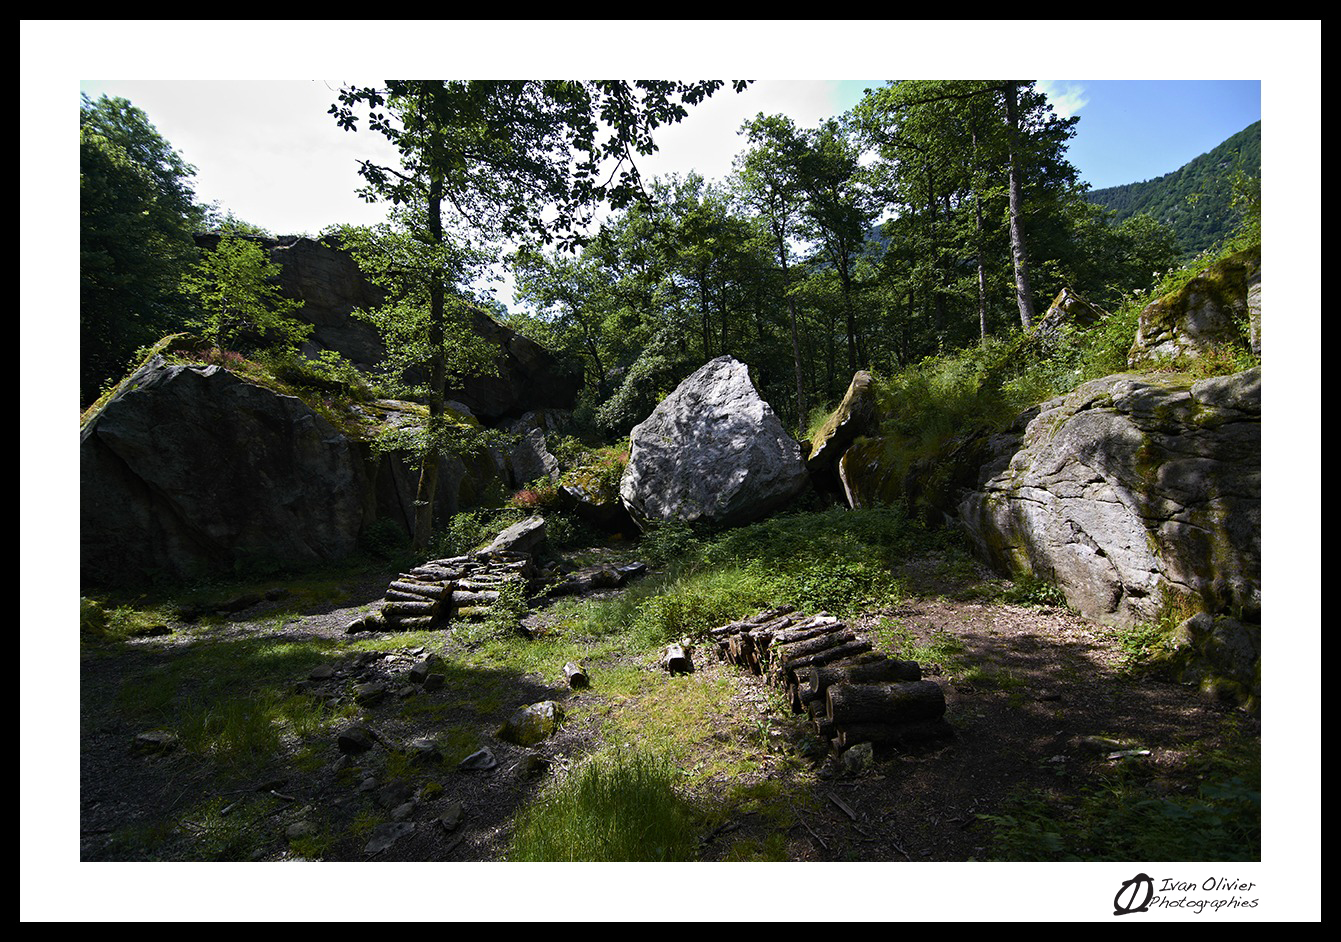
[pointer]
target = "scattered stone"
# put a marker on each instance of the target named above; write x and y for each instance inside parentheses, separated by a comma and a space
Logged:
(433, 681)
(405, 690)
(368, 784)
(155, 741)
(531, 724)
(533, 765)
(300, 829)
(424, 750)
(481, 761)
(450, 819)
(859, 758)
(384, 835)
(354, 738)
(419, 672)
(369, 693)
(322, 672)
(1099, 744)
(394, 794)
(403, 811)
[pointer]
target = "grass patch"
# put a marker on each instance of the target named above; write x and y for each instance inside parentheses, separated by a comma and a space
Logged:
(941, 650)
(1208, 809)
(622, 805)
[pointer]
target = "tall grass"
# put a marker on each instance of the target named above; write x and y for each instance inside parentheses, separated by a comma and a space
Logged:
(617, 806)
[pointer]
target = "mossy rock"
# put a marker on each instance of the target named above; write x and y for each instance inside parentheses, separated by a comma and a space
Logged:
(855, 416)
(532, 724)
(1210, 312)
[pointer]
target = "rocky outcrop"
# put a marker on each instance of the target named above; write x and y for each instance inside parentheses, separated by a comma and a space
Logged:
(330, 285)
(1069, 308)
(713, 451)
(189, 469)
(1129, 492)
(1220, 307)
(856, 415)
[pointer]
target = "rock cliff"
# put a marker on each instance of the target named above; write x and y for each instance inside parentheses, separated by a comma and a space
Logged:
(1129, 492)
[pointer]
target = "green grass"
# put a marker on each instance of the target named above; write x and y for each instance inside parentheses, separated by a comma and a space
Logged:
(1208, 808)
(941, 650)
(621, 805)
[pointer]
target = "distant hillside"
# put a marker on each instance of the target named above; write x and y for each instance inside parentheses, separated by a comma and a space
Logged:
(1199, 222)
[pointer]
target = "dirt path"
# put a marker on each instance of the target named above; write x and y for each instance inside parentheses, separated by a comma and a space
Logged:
(1038, 699)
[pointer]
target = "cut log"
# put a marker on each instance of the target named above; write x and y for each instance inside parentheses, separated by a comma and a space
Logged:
(850, 704)
(676, 660)
(877, 668)
(398, 609)
(409, 624)
(741, 652)
(786, 670)
(894, 734)
(577, 677)
(805, 630)
(431, 590)
(461, 597)
(784, 653)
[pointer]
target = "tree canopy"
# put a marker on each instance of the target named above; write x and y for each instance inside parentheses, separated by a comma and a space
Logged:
(137, 216)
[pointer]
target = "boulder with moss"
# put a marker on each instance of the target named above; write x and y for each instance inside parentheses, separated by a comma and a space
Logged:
(1132, 492)
(712, 451)
(189, 469)
(857, 415)
(1217, 309)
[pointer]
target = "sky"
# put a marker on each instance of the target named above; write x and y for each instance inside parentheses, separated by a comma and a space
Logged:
(269, 152)
(1123, 137)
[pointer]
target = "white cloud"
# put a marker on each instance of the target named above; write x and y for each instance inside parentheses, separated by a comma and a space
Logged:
(1066, 97)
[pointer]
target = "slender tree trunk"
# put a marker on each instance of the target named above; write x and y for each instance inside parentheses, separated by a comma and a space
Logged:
(1023, 295)
(982, 270)
(437, 390)
(977, 241)
(801, 410)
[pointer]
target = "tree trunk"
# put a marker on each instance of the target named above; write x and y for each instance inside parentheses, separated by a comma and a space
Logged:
(1017, 247)
(428, 476)
(801, 410)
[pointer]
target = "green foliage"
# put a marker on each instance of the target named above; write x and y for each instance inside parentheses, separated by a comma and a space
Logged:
(137, 212)
(238, 299)
(1037, 592)
(621, 805)
(1123, 818)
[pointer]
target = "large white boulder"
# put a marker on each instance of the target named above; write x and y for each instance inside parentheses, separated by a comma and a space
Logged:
(712, 451)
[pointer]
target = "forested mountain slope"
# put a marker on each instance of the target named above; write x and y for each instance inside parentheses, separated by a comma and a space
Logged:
(1197, 199)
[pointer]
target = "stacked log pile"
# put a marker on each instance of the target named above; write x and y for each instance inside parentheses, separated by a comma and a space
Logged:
(444, 589)
(852, 693)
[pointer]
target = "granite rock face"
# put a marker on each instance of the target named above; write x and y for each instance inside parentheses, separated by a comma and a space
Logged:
(712, 451)
(1129, 491)
(190, 469)
(329, 283)
(858, 414)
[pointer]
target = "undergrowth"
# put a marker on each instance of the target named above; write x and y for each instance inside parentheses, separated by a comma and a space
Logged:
(1210, 810)
(621, 805)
